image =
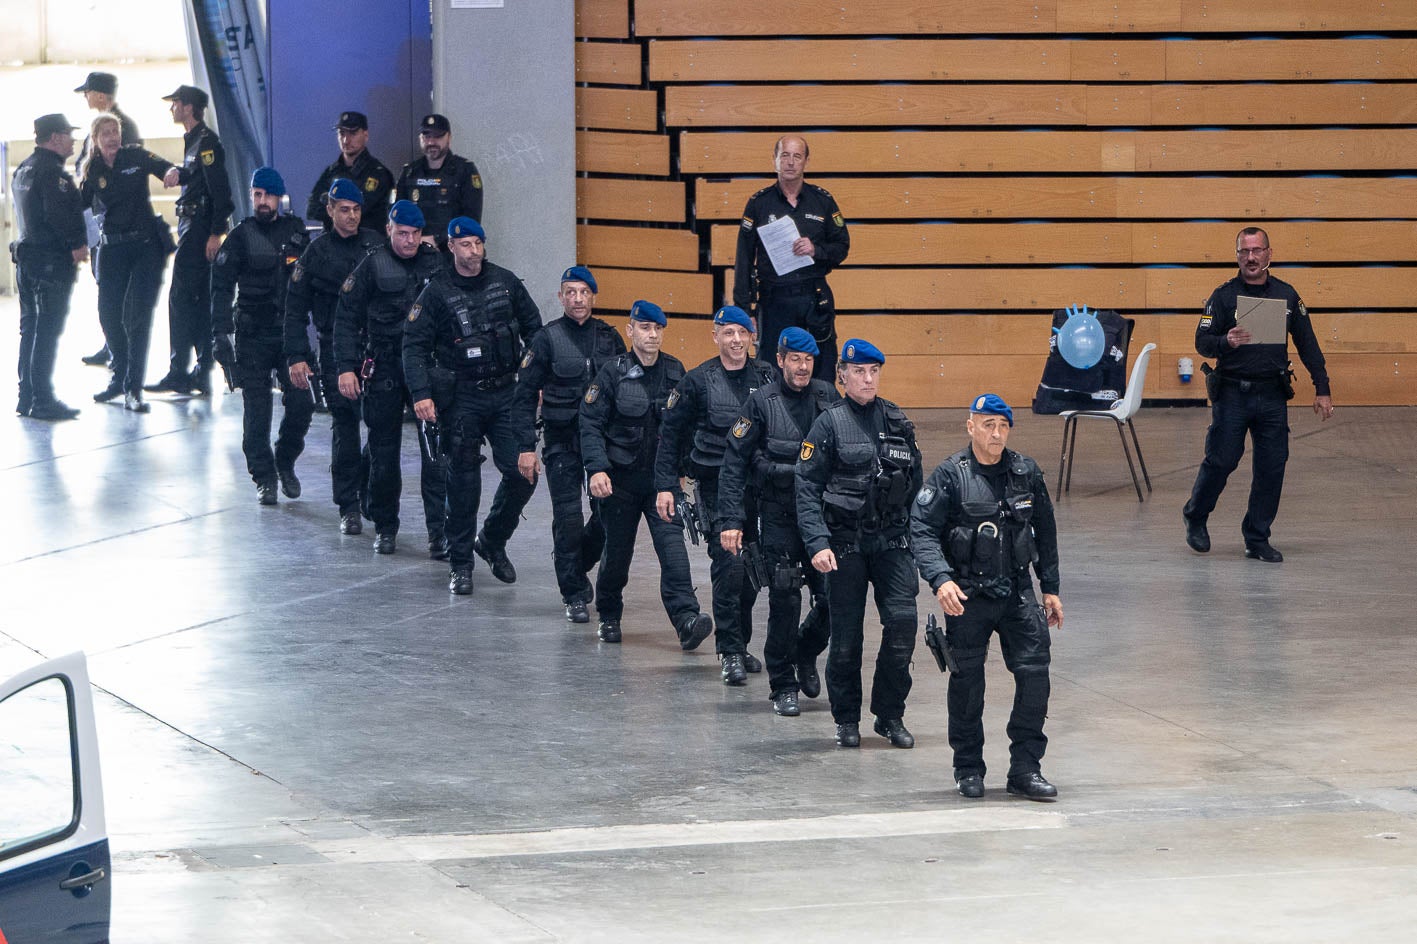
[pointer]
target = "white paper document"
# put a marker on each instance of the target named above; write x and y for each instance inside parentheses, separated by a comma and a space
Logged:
(778, 237)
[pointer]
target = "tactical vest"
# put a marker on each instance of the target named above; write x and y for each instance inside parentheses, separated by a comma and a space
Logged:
(992, 539)
(722, 408)
(782, 440)
(327, 268)
(571, 371)
(869, 488)
(398, 282)
(638, 409)
(484, 344)
(262, 281)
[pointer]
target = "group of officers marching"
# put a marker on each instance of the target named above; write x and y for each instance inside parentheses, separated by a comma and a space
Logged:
(795, 485)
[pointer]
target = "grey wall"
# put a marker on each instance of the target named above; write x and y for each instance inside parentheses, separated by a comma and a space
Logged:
(506, 80)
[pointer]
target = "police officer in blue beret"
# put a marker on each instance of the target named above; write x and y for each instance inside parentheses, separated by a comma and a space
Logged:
(760, 461)
(558, 366)
(980, 521)
(252, 270)
(857, 472)
(692, 441)
(470, 327)
(311, 299)
(355, 164)
(620, 418)
(374, 305)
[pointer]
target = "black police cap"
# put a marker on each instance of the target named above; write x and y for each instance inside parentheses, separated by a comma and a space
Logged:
(434, 124)
(105, 82)
(188, 95)
(352, 121)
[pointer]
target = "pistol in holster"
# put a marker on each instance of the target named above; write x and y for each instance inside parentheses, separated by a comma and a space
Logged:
(935, 640)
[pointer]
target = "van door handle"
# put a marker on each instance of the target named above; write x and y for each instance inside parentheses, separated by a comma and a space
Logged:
(79, 881)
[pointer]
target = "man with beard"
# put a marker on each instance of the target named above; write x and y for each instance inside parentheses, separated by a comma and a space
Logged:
(692, 440)
(373, 307)
(354, 163)
(312, 298)
(203, 214)
(761, 458)
(441, 183)
(559, 365)
(857, 472)
(473, 320)
(620, 418)
(254, 265)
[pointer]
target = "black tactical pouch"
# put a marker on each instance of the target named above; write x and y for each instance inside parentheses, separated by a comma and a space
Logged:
(1212, 382)
(1286, 380)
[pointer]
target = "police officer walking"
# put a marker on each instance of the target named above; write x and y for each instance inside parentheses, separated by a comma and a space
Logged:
(441, 183)
(100, 90)
(981, 519)
(620, 420)
(357, 164)
(52, 242)
(799, 297)
(559, 365)
(132, 252)
(203, 214)
(374, 304)
(701, 411)
(1249, 392)
(761, 457)
(857, 472)
(254, 265)
(311, 298)
(473, 320)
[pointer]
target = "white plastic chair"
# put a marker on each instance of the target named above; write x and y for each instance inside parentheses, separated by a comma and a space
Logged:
(1121, 413)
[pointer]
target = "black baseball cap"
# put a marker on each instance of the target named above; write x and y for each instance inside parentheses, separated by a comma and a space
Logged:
(352, 121)
(105, 82)
(188, 95)
(434, 124)
(45, 125)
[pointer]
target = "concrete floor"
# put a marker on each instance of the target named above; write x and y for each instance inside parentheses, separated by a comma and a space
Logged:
(305, 742)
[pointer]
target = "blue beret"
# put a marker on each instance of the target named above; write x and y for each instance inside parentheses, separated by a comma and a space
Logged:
(992, 403)
(797, 340)
(406, 213)
(269, 180)
(580, 273)
(460, 226)
(857, 351)
(647, 311)
(345, 189)
(730, 314)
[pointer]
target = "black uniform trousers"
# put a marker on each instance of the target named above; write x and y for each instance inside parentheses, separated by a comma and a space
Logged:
(479, 414)
(1263, 412)
(891, 573)
(793, 305)
(1024, 640)
(189, 305)
(576, 544)
(785, 648)
(129, 281)
(632, 498)
(385, 397)
(46, 283)
(348, 466)
(733, 594)
(259, 351)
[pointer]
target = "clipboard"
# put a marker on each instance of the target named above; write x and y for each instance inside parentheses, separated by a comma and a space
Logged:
(1267, 319)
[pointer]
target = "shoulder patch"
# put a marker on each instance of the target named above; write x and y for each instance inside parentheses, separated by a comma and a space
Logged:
(348, 283)
(836, 218)
(526, 360)
(477, 181)
(807, 450)
(673, 399)
(63, 183)
(297, 272)
(747, 222)
(740, 428)
(371, 184)
(415, 311)
(1303, 309)
(926, 496)
(592, 392)
(221, 257)
(209, 158)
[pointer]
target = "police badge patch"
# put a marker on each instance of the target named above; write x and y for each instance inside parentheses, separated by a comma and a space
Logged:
(297, 272)
(836, 218)
(414, 196)
(371, 184)
(740, 428)
(592, 392)
(477, 181)
(807, 450)
(673, 399)
(747, 222)
(526, 361)
(209, 158)
(348, 283)
(926, 496)
(415, 311)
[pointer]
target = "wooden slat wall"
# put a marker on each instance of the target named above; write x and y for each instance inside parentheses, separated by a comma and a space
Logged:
(1088, 151)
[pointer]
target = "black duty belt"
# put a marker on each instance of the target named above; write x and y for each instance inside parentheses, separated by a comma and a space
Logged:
(784, 289)
(1246, 386)
(129, 236)
(493, 383)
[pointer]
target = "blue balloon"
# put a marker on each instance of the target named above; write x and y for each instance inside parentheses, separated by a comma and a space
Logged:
(1081, 339)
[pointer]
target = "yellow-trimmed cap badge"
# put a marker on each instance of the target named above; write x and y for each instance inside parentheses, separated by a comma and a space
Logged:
(740, 428)
(850, 351)
(592, 392)
(807, 450)
(415, 311)
(371, 184)
(209, 158)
